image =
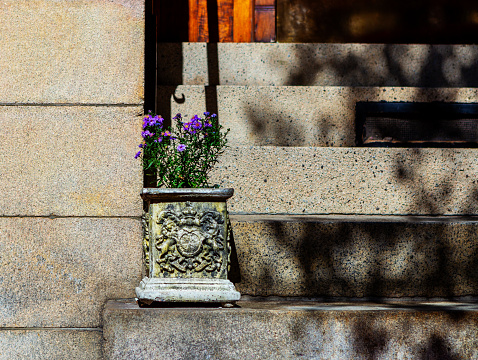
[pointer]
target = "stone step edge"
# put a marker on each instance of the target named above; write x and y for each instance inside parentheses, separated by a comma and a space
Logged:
(259, 330)
(468, 302)
(300, 304)
(351, 218)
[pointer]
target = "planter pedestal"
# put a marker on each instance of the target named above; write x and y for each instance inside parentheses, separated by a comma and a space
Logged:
(186, 246)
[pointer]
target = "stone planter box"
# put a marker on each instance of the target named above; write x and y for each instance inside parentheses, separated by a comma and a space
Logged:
(186, 246)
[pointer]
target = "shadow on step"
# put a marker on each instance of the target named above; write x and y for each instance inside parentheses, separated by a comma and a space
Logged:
(356, 257)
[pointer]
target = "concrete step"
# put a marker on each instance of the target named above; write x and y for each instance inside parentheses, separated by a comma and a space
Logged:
(292, 330)
(355, 256)
(293, 115)
(354, 181)
(318, 64)
(293, 151)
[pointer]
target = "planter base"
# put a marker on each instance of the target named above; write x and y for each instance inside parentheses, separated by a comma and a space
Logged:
(187, 290)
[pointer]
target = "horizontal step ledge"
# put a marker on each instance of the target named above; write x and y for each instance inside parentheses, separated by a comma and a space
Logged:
(302, 305)
(353, 218)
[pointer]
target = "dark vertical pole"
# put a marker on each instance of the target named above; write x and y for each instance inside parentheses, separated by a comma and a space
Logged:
(212, 57)
(149, 58)
(149, 178)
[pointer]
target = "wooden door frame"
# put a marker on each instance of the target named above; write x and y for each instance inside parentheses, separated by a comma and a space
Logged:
(232, 21)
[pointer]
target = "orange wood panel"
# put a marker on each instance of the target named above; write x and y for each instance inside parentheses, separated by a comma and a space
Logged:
(265, 24)
(225, 19)
(203, 29)
(264, 21)
(199, 20)
(193, 21)
(243, 21)
(198, 27)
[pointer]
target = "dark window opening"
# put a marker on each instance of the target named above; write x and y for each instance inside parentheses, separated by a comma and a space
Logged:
(378, 21)
(416, 124)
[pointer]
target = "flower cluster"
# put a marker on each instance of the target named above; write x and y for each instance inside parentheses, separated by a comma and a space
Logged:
(152, 126)
(182, 157)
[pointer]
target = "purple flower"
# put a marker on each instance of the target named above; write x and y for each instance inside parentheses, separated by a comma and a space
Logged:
(158, 140)
(206, 113)
(196, 125)
(181, 147)
(158, 120)
(137, 154)
(147, 121)
(152, 121)
(207, 124)
(147, 133)
(190, 127)
(177, 117)
(213, 115)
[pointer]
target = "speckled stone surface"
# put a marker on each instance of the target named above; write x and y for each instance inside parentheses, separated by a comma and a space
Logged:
(75, 161)
(290, 331)
(71, 161)
(349, 256)
(59, 272)
(79, 51)
(298, 115)
(379, 181)
(321, 64)
(51, 344)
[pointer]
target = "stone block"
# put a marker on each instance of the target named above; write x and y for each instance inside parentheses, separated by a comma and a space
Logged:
(77, 51)
(378, 181)
(292, 330)
(260, 64)
(296, 115)
(355, 256)
(52, 344)
(59, 272)
(70, 161)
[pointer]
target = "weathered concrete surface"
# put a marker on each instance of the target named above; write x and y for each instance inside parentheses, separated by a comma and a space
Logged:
(320, 64)
(291, 331)
(51, 344)
(376, 181)
(355, 256)
(77, 51)
(74, 161)
(297, 115)
(59, 272)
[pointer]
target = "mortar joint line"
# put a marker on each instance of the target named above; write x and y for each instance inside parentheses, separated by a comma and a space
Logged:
(73, 104)
(99, 329)
(52, 217)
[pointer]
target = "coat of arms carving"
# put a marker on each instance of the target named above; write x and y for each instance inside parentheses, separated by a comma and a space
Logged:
(190, 240)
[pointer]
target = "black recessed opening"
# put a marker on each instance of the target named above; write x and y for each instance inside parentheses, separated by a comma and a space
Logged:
(407, 124)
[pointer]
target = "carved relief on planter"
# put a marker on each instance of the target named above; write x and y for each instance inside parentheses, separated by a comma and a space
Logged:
(190, 239)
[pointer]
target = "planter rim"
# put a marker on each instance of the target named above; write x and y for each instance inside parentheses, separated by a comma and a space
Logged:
(186, 194)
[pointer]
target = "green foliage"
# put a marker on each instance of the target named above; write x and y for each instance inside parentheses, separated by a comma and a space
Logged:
(182, 155)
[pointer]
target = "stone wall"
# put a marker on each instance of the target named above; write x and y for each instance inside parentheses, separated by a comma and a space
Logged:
(71, 100)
